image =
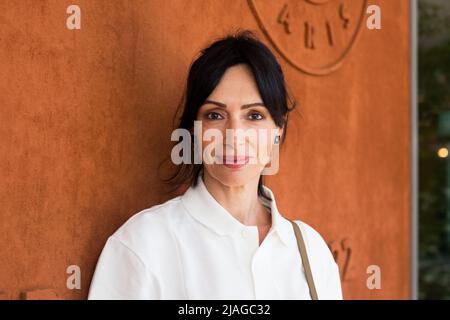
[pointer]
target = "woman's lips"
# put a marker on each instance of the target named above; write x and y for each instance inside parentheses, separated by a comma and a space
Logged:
(235, 162)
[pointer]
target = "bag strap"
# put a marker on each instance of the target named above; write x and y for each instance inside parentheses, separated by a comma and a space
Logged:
(305, 261)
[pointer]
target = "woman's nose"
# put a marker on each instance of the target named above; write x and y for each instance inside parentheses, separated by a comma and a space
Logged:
(235, 127)
(235, 137)
(233, 122)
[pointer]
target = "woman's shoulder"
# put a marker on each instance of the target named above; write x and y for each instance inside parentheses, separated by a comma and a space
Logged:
(325, 269)
(316, 245)
(311, 233)
(150, 224)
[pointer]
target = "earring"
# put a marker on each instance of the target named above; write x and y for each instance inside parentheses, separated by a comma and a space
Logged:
(277, 139)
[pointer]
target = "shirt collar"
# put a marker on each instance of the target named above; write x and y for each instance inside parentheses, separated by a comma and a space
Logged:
(207, 210)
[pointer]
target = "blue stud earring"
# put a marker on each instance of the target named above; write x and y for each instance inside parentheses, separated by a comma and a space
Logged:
(277, 139)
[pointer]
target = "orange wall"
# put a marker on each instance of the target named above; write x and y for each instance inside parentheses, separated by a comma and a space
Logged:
(86, 118)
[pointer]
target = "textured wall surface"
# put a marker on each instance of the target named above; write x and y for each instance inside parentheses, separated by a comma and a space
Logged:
(86, 118)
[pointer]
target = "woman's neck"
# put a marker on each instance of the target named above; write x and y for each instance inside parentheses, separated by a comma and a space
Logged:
(240, 201)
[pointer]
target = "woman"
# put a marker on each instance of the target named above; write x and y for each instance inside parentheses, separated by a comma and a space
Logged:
(224, 238)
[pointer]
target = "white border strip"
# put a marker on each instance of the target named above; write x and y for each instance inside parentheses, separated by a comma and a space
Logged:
(414, 149)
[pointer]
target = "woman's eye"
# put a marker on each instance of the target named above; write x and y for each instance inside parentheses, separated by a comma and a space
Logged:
(256, 116)
(214, 116)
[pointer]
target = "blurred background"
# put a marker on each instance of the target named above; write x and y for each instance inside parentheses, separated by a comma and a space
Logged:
(434, 145)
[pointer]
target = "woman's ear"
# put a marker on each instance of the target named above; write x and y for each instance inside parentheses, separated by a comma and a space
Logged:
(278, 135)
(281, 133)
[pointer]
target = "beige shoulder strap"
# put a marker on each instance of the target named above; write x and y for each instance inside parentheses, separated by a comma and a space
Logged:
(305, 261)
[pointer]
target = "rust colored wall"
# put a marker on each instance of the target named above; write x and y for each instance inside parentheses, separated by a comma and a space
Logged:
(86, 118)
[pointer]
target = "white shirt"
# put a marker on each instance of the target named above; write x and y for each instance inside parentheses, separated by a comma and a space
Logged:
(190, 247)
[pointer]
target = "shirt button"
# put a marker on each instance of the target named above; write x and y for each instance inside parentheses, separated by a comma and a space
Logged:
(244, 233)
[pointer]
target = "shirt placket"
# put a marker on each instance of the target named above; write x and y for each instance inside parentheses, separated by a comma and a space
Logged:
(254, 262)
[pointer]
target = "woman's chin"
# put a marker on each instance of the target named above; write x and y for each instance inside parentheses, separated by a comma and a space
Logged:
(234, 175)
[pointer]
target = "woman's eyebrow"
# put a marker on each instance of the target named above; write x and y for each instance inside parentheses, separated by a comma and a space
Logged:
(244, 106)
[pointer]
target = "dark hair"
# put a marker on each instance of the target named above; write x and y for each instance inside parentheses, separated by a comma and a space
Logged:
(205, 74)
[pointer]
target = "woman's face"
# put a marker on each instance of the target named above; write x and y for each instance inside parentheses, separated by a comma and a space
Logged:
(236, 111)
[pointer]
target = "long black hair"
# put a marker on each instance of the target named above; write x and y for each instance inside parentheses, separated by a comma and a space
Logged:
(205, 74)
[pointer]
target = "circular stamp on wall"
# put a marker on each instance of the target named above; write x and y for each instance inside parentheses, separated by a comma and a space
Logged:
(314, 36)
